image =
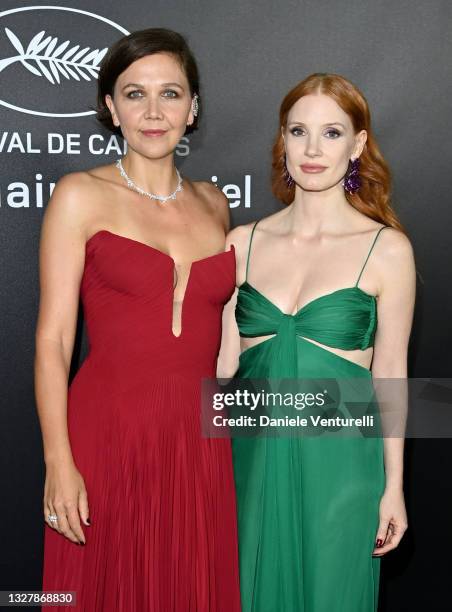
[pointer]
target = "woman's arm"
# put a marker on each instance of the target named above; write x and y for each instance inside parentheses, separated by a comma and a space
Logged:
(228, 358)
(61, 263)
(395, 315)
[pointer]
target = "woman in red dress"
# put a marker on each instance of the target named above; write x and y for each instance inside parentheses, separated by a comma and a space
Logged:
(139, 507)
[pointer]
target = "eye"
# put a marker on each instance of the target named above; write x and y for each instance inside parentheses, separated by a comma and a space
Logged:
(332, 133)
(296, 131)
(170, 93)
(135, 91)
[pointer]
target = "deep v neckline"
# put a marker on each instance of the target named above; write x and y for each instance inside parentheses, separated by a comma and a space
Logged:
(174, 268)
(155, 249)
(311, 302)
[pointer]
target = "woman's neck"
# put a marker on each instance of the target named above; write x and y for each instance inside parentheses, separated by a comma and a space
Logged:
(317, 212)
(156, 176)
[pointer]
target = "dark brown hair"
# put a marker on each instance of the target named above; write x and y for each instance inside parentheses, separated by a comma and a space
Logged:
(373, 198)
(133, 47)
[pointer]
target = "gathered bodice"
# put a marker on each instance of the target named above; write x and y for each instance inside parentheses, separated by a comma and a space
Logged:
(344, 319)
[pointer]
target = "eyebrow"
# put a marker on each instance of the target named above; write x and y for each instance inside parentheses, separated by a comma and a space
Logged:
(324, 125)
(142, 86)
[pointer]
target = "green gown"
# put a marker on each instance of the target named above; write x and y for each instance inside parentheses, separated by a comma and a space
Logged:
(308, 507)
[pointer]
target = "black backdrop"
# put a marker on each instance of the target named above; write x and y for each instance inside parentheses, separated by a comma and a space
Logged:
(250, 53)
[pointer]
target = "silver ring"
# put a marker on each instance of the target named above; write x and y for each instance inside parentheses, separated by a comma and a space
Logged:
(52, 518)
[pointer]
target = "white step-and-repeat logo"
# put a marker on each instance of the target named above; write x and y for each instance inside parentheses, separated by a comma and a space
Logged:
(48, 68)
(56, 58)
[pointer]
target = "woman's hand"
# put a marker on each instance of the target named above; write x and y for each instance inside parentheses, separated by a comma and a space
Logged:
(65, 496)
(393, 521)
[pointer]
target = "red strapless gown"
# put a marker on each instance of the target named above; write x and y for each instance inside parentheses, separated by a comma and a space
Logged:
(162, 500)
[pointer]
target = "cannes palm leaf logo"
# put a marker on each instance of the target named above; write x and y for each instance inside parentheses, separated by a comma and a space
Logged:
(45, 57)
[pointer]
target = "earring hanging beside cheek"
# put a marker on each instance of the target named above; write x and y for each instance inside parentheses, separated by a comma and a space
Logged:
(194, 108)
(195, 105)
(287, 176)
(352, 180)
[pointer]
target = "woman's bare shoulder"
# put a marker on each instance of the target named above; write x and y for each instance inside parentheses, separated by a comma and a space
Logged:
(239, 236)
(209, 192)
(392, 244)
(394, 262)
(395, 252)
(83, 180)
(268, 224)
(70, 193)
(77, 197)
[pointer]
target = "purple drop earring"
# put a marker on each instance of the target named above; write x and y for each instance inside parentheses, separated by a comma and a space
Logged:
(287, 177)
(352, 180)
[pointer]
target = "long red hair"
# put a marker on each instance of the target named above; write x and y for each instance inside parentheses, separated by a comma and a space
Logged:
(373, 198)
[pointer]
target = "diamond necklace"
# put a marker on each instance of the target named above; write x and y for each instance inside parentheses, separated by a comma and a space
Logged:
(148, 194)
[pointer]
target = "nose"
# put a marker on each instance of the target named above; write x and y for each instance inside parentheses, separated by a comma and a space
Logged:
(153, 109)
(313, 146)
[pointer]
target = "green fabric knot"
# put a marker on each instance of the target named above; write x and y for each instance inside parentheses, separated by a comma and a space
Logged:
(286, 342)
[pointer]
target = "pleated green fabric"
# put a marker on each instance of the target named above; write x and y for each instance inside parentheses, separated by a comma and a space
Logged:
(308, 506)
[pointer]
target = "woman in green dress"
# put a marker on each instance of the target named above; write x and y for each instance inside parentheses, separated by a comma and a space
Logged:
(325, 290)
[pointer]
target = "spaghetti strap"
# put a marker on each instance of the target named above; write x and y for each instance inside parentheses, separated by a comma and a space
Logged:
(370, 251)
(249, 250)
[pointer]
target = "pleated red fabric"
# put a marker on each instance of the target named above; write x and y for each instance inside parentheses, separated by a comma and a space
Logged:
(163, 536)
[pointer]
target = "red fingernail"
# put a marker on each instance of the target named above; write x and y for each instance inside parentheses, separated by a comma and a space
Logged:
(379, 543)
